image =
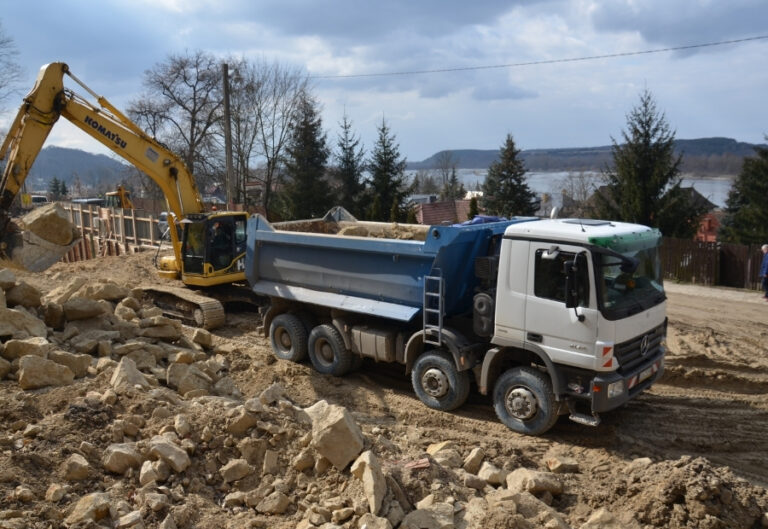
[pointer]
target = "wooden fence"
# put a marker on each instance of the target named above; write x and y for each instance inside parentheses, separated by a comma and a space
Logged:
(110, 231)
(711, 263)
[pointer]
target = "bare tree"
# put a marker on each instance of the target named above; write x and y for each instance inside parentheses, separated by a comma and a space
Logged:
(10, 70)
(276, 101)
(181, 107)
(445, 165)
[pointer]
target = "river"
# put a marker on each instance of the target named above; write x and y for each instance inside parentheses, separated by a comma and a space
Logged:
(715, 189)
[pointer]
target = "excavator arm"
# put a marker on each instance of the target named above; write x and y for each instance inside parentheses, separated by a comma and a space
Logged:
(49, 100)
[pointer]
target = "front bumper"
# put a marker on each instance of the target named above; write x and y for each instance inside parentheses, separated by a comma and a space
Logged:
(634, 383)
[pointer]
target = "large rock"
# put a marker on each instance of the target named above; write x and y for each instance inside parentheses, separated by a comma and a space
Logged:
(82, 308)
(161, 448)
(7, 278)
(335, 435)
(185, 378)
(492, 474)
(473, 461)
(51, 223)
(76, 468)
(438, 516)
(275, 503)
(78, 363)
(62, 294)
(36, 372)
(537, 512)
(91, 507)
(5, 368)
(37, 346)
(126, 375)
(23, 294)
(119, 457)
(533, 481)
(368, 470)
(18, 323)
(108, 290)
(235, 470)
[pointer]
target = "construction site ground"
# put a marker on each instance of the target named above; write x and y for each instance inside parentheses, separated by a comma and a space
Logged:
(706, 420)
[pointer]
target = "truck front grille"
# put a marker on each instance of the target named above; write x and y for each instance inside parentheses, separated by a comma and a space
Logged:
(636, 351)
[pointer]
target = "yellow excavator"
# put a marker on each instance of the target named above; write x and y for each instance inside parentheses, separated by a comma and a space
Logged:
(208, 247)
(119, 198)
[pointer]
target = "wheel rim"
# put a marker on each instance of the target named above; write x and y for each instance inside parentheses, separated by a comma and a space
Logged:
(283, 339)
(521, 403)
(434, 382)
(324, 351)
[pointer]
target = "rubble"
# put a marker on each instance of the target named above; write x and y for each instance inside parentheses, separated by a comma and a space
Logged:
(108, 425)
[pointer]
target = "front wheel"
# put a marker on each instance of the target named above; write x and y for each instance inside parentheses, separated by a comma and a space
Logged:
(524, 401)
(327, 351)
(438, 383)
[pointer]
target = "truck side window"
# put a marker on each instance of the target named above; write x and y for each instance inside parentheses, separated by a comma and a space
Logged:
(549, 277)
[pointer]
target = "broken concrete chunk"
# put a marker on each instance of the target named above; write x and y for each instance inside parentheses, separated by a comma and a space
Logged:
(335, 435)
(368, 470)
(126, 375)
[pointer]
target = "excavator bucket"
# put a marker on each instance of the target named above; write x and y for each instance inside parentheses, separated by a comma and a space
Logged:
(37, 240)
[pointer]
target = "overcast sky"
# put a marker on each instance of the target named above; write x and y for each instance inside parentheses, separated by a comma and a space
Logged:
(704, 92)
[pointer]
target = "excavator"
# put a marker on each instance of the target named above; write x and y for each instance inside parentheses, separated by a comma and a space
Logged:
(208, 247)
(119, 198)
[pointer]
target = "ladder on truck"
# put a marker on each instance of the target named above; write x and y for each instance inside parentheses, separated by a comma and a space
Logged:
(434, 303)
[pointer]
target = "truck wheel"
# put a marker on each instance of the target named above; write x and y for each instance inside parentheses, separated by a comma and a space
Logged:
(524, 401)
(327, 351)
(438, 383)
(288, 337)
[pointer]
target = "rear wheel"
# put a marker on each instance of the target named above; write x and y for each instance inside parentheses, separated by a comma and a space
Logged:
(288, 337)
(438, 383)
(524, 401)
(327, 351)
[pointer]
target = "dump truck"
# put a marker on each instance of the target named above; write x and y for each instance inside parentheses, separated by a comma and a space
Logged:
(547, 316)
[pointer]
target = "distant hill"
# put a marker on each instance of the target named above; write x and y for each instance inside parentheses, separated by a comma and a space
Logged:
(95, 171)
(703, 157)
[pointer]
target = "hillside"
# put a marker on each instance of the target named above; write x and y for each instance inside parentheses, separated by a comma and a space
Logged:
(97, 172)
(704, 157)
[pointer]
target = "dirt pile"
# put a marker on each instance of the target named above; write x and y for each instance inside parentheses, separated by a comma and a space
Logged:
(113, 416)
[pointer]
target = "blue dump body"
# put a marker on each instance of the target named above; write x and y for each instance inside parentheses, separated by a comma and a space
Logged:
(376, 276)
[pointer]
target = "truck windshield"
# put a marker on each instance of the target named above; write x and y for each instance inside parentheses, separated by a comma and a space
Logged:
(622, 293)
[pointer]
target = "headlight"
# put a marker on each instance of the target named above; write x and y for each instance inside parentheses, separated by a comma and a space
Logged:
(615, 389)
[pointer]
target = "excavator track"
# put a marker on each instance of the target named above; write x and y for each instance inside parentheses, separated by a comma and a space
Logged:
(187, 306)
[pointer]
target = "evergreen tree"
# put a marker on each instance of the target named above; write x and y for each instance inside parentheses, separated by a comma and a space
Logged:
(453, 188)
(746, 214)
(474, 210)
(350, 158)
(387, 185)
(63, 189)
(306, 193)
(643, 185)
(505, 191)
(54, 188)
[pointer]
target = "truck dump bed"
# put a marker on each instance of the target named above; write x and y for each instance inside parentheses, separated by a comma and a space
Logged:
(368, 267)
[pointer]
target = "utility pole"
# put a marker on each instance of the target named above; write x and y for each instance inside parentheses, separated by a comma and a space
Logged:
(227, 135)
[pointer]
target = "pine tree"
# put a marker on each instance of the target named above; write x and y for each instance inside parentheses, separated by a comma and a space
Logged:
(643, 184)
(387, 185)
(453, 188)
(474, 210)
(505, 191)
(54, 188)
(350, 158)
(306, 193)
(746, 214)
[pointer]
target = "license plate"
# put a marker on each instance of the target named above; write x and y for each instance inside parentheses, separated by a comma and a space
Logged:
(646, 373)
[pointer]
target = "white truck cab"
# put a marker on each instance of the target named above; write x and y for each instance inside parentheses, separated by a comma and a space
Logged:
(585, 297)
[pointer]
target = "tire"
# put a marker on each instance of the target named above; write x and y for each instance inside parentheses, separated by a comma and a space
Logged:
(327, 351)
(288, 337)
(524, 401)
(438, 383)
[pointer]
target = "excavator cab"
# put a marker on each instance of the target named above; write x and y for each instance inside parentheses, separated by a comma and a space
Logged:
(213, 248)
(121, 198)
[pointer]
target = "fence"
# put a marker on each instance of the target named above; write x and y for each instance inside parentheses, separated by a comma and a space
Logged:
(711, 263)
(110, 231)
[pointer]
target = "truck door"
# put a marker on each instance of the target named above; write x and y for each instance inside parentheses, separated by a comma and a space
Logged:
(548, 323)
